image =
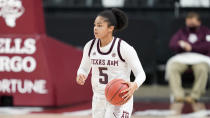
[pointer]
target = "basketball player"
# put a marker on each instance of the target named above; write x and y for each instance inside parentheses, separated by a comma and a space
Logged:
(110, 58)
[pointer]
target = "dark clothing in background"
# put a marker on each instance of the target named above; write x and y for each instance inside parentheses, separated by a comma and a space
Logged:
(202, 45)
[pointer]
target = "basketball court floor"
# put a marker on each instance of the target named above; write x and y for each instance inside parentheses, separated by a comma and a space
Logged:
(85, 112)
(89, 116)
(52, 116)
(150, 102)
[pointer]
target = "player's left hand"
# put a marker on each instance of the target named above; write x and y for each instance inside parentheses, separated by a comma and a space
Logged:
(132, 86)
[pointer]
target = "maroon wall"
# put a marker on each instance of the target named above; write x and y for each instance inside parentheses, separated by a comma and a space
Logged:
(35, 69)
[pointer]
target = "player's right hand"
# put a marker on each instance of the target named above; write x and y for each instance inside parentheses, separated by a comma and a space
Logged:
(81, 79)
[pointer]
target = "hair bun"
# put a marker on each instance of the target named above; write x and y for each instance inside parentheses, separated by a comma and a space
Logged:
(121, 18)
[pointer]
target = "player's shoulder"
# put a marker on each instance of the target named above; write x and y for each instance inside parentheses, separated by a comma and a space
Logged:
(125, 50)
(124, 44)
(88, 44)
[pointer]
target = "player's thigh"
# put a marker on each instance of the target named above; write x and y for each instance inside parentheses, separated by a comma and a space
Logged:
(98, 107)
(123, 111)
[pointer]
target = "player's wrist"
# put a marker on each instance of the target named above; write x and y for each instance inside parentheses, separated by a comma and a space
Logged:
(135, 85)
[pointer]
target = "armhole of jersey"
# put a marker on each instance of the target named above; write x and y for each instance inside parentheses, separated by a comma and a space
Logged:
(118, 50)
(91, 47)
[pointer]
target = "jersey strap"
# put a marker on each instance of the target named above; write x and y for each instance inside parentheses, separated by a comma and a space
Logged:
(91, 46)
(106, 53)
(118, 50)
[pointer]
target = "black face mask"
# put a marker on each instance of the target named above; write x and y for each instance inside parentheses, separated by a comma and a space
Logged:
(192, 28)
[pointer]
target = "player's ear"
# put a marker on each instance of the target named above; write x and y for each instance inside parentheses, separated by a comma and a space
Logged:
(111, 28)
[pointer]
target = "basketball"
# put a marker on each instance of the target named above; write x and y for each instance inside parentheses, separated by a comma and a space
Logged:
(113, 92)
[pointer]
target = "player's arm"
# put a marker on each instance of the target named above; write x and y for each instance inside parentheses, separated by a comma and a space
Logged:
(130, 56)
(85, 65)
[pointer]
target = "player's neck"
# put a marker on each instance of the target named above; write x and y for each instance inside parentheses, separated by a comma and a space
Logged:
(106, 40)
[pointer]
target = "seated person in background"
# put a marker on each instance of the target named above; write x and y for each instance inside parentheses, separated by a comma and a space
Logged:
(192, 45)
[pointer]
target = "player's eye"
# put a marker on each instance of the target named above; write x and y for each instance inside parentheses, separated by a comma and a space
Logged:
(99, 25)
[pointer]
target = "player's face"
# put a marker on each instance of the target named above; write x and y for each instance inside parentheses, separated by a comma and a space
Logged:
(101, 28)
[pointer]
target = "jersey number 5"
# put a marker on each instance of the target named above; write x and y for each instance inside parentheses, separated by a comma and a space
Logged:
(101, 73)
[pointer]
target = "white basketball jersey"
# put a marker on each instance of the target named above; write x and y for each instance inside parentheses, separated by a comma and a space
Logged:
(107, 66)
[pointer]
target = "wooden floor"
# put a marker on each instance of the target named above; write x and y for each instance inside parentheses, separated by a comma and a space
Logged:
(54, 116)
(144, 92)
(65, 116)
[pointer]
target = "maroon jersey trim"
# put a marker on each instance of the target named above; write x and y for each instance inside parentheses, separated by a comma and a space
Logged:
(91, 47)
(98, 47)
(118, 50)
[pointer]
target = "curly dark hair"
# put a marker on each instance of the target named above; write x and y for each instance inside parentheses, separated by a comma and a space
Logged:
(115, 17)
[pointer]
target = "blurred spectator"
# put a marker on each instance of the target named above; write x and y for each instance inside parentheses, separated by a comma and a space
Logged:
(195, 3)
(192, 45)
(113, 3)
